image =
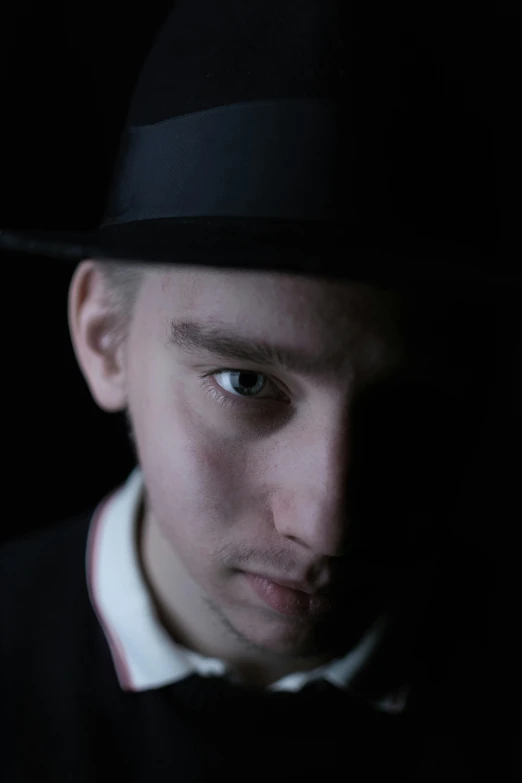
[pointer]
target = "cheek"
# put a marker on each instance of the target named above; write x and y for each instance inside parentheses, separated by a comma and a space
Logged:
(196, 478)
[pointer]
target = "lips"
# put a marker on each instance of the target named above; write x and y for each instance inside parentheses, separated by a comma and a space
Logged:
(287, 599)
(302, 587)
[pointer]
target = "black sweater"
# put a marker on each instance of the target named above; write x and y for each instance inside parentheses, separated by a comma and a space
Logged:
(66, 718)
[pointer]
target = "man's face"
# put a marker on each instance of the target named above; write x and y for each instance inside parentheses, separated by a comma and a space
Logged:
(279, 436)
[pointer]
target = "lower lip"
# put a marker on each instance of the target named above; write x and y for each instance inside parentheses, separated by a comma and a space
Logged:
(286, 600)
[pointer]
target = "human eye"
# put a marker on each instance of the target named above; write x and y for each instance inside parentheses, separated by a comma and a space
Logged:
(231, 386)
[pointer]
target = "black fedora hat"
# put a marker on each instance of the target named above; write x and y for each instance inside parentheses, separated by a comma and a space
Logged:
(279, 135)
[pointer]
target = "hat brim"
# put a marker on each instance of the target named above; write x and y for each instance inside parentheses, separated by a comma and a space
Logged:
(301, 247)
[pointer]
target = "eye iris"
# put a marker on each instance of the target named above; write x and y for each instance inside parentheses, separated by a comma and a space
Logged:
(247, 382)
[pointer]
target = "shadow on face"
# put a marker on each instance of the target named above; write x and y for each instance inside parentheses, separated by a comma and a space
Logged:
(349, 460)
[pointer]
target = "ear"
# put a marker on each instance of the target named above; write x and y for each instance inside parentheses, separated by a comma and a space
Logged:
(99, 353)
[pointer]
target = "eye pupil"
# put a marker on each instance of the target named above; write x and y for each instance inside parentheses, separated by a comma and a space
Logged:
(251, 382)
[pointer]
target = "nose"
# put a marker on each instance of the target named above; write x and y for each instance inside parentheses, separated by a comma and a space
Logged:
(310, 504)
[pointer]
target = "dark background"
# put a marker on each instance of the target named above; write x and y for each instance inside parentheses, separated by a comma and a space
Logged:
(67, 74)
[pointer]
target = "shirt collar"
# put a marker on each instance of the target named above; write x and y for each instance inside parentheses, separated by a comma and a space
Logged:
(144, 654)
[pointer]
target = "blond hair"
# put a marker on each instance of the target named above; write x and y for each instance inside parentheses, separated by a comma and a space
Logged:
(123, 280)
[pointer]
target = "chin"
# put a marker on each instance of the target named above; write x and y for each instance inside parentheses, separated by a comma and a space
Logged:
(287, 637)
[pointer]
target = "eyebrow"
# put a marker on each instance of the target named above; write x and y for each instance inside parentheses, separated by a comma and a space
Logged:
(197, 338)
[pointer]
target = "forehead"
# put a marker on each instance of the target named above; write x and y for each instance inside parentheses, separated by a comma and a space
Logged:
(429, 337)
(268, 300)
(331, 326)
(435, 333)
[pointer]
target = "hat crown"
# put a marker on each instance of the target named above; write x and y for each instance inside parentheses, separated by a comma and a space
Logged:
(237, 115)
(407, 128)
(210, 54)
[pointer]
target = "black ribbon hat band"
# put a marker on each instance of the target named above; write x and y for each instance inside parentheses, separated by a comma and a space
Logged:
(266, 159)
